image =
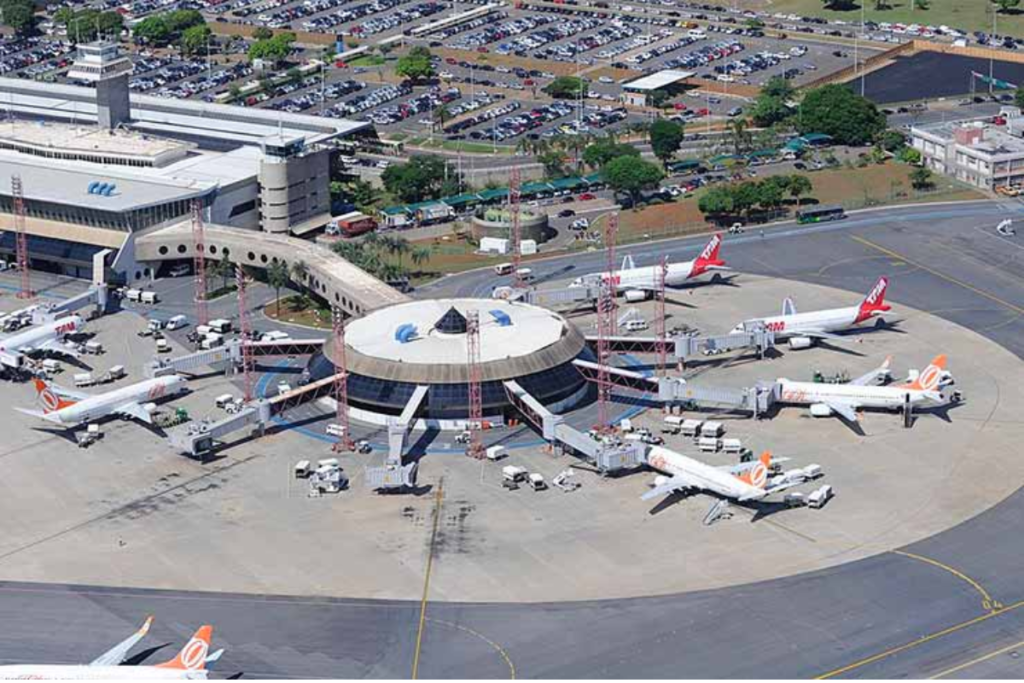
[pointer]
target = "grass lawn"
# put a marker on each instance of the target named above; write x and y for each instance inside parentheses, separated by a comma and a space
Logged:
(969, 15)
(458, 145)
(367, 60)
(300, 311)
(853, 188)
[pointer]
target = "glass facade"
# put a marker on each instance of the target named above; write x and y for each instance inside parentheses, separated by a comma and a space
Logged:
(451, 401)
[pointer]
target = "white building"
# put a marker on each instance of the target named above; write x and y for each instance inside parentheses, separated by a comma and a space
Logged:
(976, 152)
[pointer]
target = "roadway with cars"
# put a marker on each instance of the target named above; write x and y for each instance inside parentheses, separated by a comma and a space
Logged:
(948, 604)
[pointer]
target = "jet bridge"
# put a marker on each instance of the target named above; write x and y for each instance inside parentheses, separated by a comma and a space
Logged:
(228, 356)
(686, 347)
(607, 457)
(392, 474)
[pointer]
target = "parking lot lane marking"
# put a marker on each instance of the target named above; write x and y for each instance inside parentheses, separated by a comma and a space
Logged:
(438, 502)
(920, 641)
(938, 274)
(976, 660)
(497, 648)
(987, 603)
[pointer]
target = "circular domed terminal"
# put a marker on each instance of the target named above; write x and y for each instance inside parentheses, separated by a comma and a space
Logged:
(391, 351)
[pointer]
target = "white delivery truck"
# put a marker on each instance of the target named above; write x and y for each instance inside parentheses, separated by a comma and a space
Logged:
(636, 325)
(708, 444)
(177, 322)
(220, 325)
(133, 294)
(537, 482)
(148, 297)
(303, 469)
(336, 430)
(710, 428)
(94, 347)
(513, 474)
(117, 372)
(813, 471)
(495, 453)
(819, 497)
(224, 400)
(163, 346)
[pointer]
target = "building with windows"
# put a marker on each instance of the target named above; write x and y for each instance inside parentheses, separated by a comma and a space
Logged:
(101, 166)
(392, 351)
(977, 152)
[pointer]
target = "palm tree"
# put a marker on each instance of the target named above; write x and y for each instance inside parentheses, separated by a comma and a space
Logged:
(420, 255)
(299, 272)
(277, 277)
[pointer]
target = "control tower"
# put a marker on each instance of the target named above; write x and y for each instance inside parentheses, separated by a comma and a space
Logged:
(102, 63)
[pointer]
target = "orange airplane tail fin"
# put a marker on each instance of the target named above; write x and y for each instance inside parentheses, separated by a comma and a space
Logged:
(193, 656)
(50, 399)
(929, 378)
(757, 475)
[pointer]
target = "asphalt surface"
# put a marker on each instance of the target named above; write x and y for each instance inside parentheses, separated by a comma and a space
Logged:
(934, 74)
(948, 605)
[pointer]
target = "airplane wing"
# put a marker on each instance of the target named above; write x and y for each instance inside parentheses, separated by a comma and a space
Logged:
(135, 409)
(873, 376)
(847, 411)
(57, 347)
(115, 655)
(821, 334)
(674, 484)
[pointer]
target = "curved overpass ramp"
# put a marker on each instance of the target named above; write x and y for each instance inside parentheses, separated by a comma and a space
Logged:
(333, 278)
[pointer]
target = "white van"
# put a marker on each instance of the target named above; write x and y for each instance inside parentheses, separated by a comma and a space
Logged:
(636, 325)
(503, 269)
(819, 497)
(224, 400)
(177, 322)
(697, 34)
(303, 469)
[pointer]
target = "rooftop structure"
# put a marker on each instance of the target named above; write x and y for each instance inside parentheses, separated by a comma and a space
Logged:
(392, 350)
(974, 151)
(89, 143)
(658, 80)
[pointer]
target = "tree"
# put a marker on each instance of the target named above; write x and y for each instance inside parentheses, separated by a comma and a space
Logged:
(420, 255)
(224, 269)
(921, 178)
(262, 33)
(277, 277)
(909, 155)
(416, 66)
(840, 5)
(181, 19)
(892, 141)
(770, 191)
(741, 137)
(195, 39)
(152, 30)
(666, 139)
(273, 49)
(566, 87)
(234, 90)
(799, 185)
(770, 106)
(20, 15)
(554, 163)
(604, 150)
(1006, 5)
(299, 272)
(423, 177)
(717, 201)
(837, 111)
(777, 86)
(631, 175)
(1018, 97)
(745, 197)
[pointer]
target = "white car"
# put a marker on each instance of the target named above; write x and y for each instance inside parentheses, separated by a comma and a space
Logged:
(606, 79)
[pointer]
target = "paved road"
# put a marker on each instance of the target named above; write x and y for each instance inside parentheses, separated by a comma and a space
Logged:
(947, 605)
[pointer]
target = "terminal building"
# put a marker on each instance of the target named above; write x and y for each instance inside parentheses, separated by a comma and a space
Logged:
(393, 351)
(976, 152)
(100, 166)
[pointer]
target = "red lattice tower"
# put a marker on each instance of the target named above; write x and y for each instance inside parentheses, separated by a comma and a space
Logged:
(345, 442)
(659, 316)
(476, 399)
(246, 332)
(514, 184)
(199, 262)
(605, 330)
(611, 232)
(21, 238)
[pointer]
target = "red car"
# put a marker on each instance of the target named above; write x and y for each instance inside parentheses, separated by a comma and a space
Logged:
(586, 196)
(450, 60)
(679, 106)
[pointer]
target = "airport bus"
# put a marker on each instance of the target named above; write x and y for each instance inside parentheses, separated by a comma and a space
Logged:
(819, 214)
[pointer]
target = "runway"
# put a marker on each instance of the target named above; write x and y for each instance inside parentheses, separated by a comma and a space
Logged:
(951, 605)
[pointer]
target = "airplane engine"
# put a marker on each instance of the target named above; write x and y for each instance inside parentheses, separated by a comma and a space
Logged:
(820, 410)
(149, 407)
(797, 343)
(634, 296)
(660, 480)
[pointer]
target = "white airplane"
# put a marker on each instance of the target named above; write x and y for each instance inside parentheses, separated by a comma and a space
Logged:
(845, 400)
(190, 663)
(638, 283)
(70, 408)
(743, 482)
(802, 329)
(46, 337)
